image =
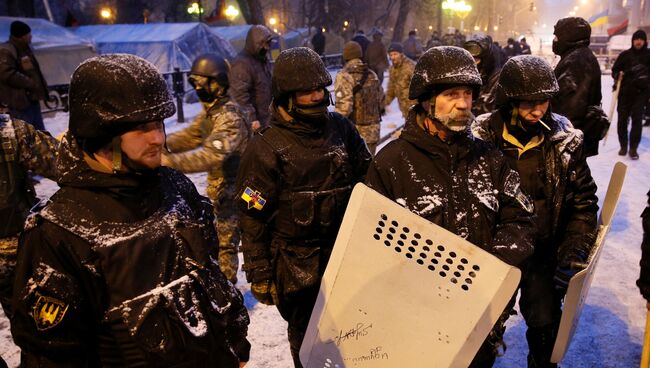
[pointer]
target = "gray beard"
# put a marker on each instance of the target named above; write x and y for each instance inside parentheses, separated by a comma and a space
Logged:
(456, 121)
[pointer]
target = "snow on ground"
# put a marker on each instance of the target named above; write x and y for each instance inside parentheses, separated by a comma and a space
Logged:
(610, 332)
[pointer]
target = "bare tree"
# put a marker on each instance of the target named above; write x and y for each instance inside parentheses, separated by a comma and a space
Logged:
(383, 18)
(400, 23)
(251, 11)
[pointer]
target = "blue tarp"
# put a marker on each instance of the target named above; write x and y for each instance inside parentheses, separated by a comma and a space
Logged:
(236, 35)
(58, 50)
(166, 45)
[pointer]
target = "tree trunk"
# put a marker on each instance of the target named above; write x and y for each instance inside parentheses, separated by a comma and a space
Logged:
(251, 11)
(402, 14)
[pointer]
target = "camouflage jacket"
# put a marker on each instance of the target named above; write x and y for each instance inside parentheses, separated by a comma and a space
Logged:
(22, 149)
(362, 106)
(398, 84)
(34, 150)
(213, 142)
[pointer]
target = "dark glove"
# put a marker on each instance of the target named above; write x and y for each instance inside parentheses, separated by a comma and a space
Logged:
(265, 292)
(571, 261)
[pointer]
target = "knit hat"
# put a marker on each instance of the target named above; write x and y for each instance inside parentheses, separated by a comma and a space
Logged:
(19, 29)
(396, 46)
(640, 35)
(352, 50)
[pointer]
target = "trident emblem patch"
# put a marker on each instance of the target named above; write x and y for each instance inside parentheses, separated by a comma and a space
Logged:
(48, 312)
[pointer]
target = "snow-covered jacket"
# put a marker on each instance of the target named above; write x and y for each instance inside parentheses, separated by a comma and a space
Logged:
(578, 76)
(213, 142)
(293, 186)
(465, 186)
(569, 186)
(120, 270)
(250, 76)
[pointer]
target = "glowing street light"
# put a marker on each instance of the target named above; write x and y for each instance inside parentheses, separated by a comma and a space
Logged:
(106, 13)
(459, 8)
(273, 21)
(194, 9)
(584, 2)
(346, 23)
(323, 29)
(231, 12)
(575, 8)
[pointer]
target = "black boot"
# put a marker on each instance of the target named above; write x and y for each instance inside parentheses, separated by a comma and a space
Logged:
(540, 346)
(622, 151)
(633, 154)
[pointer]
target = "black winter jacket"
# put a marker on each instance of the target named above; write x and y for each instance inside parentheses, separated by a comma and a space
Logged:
(301, 177)
(567, 183)
(635, 65)
(578, 75)
(465, 186)
(21, 80)
(120, 270)
(250, 78)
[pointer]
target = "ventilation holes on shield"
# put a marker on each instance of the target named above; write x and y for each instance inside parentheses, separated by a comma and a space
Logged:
(450, 263)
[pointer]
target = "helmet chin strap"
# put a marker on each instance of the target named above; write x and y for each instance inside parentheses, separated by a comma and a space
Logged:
(117, 154)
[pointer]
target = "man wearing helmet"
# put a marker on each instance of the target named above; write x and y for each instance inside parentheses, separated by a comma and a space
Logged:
(294, 183)
(120, 269)
(438, 171)
(549, 156)
(214, 142)
(480, 46)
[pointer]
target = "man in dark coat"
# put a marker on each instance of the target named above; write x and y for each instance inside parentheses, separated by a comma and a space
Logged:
(480, 46)
(294, 183)
(578, 75)
(250, 76)
(377, 56)
(120, 269)
(412, 46)
(22, 85)
(439, 171)
(363, 41)
(318, 42)
(548, 154)
(633, 66)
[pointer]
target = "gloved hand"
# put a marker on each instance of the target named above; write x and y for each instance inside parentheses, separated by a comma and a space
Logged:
(265, 292)
(571, 261)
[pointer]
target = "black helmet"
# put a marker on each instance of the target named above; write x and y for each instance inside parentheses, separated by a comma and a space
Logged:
(443, 65)
(298, 69)
(211, 66)
(111, 94)
(527, 78)
(479, 46)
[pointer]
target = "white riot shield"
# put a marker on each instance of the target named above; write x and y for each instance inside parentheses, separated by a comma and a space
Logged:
(581, 281)
(400, 291)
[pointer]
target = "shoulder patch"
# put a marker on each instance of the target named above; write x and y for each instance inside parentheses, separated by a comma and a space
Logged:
(48, 312)
(253, 198)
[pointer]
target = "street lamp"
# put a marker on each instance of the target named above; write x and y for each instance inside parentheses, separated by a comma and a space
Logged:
(346, 23)
(195, 8)
(106, 13)
(231, 12)
(273, 21)
(459, 8)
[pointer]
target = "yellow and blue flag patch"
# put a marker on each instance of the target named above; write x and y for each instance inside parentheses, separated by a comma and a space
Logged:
(253, 198)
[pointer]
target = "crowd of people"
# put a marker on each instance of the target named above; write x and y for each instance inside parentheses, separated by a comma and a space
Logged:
(127, 265)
